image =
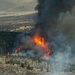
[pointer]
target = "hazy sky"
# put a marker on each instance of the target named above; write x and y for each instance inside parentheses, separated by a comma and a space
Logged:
(17, 5)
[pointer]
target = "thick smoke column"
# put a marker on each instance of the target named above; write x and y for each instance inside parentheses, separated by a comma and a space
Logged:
(61, 42)
(48, 13)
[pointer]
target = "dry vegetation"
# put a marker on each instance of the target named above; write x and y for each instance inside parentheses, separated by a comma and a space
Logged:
(17, 65)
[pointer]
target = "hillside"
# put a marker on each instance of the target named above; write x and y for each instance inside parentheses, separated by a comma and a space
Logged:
(18, 23)
(17, 5)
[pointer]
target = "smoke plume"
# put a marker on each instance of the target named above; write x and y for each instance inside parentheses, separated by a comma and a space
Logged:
(56, 24)
(49, 12)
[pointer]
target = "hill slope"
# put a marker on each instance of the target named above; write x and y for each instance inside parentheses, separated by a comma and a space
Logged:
(17, 5)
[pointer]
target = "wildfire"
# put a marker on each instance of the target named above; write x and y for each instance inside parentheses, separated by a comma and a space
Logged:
(38, 40)
(19, 48)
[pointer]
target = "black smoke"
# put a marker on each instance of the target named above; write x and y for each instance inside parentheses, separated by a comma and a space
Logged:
(48, 13)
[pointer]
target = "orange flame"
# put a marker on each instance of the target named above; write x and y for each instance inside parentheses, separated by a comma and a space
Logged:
(38, 40)
(19, 48)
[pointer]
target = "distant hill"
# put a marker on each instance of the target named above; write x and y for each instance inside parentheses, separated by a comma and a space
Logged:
(17, 5)
(18, 23)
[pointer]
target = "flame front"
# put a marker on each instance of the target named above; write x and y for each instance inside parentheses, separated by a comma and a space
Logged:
(38, 40)
(19, 48)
